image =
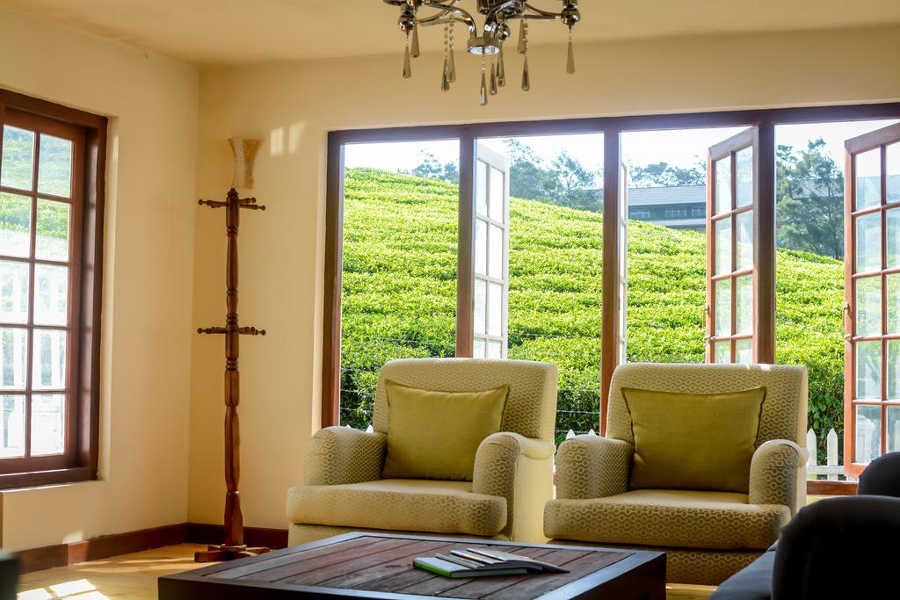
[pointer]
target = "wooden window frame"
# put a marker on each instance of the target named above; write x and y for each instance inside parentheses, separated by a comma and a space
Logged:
(79, 462)
(612, 342)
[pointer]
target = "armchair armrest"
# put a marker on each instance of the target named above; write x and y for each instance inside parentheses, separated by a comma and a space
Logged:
(519, 469)
(774, 473)
(590, 466)
(342, 455)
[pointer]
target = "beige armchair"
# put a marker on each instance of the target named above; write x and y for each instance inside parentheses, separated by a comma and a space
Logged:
(707, 535)
(513, 472)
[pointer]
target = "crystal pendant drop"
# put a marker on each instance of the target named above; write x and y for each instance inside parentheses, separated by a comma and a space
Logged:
(451, 72)
(522, 42)
(501, 69)
(570, 63)
(407, 66)
(415, 42)
(483, 97)
(526, 78)
(493, 80)
(445, 79)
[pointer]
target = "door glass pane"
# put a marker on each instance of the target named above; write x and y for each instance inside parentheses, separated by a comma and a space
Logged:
(868, 306)
(12, 426)
(893, 428)
(494, 350)
(744, 241)
(495, 307)
(480, 247)
(744, 183)
(893, 237)
(497, 196)
(743, 304)
(722, 352)
(868, 242)
(48, 412)
(743, 351)
(49, 360)
(13, 291)
(868, 179)
(723, 246)
(480, 305)
(12, 358)
(893, 303)
(18, 158)
(723, 185)
(15, 225)
(868, 433)
(481, 201)
(723, 307)
(478, 349)
(893, 370)
(868, 370)
(55, 168)
(893, 173)
(495, 252)
(51, 291)
(52, 240)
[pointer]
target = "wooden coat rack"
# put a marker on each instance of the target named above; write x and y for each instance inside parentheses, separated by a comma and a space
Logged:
(233, 545)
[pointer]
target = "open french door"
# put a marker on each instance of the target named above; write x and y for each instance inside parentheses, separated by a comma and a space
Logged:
(732, 263)
(872, 294)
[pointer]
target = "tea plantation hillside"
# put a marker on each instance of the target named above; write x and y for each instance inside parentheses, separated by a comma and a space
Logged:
(399, 295)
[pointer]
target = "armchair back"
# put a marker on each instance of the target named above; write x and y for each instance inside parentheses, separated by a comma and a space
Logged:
(530, 409)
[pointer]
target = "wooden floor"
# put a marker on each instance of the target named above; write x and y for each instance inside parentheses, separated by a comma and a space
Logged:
(133, 576)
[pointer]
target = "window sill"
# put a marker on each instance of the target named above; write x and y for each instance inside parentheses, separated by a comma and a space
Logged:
(11, 481)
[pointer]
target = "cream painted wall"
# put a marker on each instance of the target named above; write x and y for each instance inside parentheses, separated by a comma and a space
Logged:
(293, 106)
(148, 270)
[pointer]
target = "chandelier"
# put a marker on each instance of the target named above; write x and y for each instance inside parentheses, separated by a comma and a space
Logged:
(486, 41)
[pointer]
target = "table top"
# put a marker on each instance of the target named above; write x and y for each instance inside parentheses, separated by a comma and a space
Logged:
(379, 566)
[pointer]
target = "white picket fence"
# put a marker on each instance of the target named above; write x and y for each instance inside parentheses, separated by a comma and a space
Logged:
(831, 469)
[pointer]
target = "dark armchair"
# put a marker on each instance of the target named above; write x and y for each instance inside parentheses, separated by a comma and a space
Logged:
(834, 548)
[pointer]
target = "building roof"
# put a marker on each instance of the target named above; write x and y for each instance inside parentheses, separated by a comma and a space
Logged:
(679, 194)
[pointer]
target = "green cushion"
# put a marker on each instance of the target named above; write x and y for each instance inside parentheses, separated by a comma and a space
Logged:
(693, 441)
(434, 435)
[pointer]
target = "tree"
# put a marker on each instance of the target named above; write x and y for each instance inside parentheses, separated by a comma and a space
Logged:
(432, 168)
(574, 185)
(662, 174)
(810, 191)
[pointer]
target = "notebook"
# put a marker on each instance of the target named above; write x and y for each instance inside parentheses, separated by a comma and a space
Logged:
(475, 562)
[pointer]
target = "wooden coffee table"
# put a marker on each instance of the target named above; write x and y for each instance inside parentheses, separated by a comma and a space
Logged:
(379, 566)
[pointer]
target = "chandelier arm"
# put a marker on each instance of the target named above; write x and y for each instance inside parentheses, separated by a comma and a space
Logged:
(501, 7)
(456, 14)
(540, 13)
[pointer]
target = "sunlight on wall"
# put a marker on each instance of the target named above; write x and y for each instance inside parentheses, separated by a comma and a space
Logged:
(276, 142)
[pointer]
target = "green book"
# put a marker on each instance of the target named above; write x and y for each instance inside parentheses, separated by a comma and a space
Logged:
(474, 562)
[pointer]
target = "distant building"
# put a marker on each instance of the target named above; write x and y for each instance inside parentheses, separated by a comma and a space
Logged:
(681, 207)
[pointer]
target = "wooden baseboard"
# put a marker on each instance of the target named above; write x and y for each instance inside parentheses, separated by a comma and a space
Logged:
(62, 555)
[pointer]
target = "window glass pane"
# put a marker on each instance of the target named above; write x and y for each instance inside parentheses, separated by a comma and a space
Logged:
(497, 195)
(55, 168)
(893, 370)
(723, 307)
(893, 237)
(744, 351)
(49, 359)
(13, 291)
(868, 242)
(52, 241)
(18, 158)
(495, 308)
(495, 252)
(868, 306)
(723, 246)
(893, 303)
(868, 433)
(478, 348)
(743, 304)
(51, 291)
(15, 225)
(481, 200)
(494, 350)
(12, 426)
(480, 247)
(722, 352)
(480, 306)
(723, 185)
(868, 370)
(893, 428)
(744, 241)
(48, 432)
(868, 179)
(12, 358)
(744, 183)
(893, 173)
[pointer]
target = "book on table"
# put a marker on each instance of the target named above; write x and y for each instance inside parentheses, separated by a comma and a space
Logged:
(476, 562)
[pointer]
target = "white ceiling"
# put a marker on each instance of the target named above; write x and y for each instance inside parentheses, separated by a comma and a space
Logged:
(246, 31)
